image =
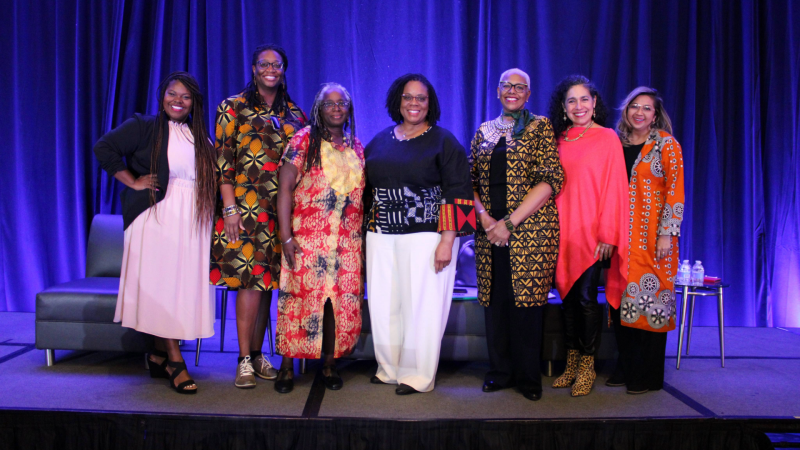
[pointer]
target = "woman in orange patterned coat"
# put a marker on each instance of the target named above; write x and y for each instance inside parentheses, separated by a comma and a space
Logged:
(655, 169)
(321, 213)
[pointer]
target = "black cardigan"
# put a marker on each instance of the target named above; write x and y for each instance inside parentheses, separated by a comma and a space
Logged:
(133, 141)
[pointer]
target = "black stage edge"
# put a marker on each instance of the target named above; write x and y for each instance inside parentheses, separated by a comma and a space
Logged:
(46, 429)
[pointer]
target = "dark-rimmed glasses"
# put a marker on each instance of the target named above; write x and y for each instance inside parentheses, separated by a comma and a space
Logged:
(518, 88)
(264, 64)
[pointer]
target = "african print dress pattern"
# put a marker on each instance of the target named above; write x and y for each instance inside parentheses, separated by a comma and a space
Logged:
(534, 243)
(656, 209)
(250, 142)
(327, 219)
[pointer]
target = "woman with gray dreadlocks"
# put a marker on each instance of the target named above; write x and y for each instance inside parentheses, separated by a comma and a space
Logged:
(320, 213)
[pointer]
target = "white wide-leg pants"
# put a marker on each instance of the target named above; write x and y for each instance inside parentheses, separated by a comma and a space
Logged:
(408, 305)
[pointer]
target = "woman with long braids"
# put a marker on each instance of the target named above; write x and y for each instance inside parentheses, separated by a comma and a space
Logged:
(166, 162)
(252, 129)
(592, 216)
(321, 214)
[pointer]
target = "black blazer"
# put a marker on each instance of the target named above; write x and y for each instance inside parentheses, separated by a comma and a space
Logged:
(133, 141)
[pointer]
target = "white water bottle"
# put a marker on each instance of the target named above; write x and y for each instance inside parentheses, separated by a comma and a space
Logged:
(698, 274)
(683, 273)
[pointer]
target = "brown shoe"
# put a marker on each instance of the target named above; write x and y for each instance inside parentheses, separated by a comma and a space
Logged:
(568, 377)
(263, 369)
(244, 374)
(585, 379)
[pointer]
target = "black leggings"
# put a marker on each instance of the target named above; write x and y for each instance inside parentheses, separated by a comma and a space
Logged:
(583, 316)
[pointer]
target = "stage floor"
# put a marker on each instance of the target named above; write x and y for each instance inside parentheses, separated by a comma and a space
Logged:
(759, 381)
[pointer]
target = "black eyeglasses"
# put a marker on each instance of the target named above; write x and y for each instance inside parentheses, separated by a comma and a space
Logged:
(264, 64)
(342, 104)
(419, 98)
(518, 88)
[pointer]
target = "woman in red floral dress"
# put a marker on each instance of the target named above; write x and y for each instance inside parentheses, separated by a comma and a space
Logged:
(320, 214)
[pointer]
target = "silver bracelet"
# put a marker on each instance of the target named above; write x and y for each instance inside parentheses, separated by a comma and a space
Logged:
(481, 212)
(287, 241)
(230, 210)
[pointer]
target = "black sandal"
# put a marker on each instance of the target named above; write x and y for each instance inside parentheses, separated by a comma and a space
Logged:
(157, 370)
(177, 368)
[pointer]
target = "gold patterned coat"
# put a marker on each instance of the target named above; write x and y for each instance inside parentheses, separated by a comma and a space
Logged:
(534, 243)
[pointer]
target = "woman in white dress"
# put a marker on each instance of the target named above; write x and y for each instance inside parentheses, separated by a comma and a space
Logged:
(167, 164)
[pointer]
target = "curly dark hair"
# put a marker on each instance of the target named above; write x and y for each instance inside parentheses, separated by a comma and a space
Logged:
(555, 108)
(395, 95)
(282, 99)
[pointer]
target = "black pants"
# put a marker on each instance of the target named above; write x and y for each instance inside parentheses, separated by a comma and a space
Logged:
(583, 316)
(513, 334)
(641, 355)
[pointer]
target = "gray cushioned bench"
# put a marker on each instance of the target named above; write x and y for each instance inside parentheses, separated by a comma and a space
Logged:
(78, 315)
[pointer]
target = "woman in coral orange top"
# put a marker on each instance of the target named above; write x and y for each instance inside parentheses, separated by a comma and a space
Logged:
(592, 217)
(655, 169)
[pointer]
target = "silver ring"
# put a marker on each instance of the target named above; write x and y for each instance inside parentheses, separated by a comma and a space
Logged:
(497, 243)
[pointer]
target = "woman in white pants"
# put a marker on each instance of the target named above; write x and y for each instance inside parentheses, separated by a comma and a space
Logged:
(422, 200)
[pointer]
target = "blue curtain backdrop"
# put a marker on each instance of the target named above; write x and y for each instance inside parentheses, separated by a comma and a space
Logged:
(728, 70)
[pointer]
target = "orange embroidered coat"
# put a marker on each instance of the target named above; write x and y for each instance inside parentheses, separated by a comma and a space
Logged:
(656, 209)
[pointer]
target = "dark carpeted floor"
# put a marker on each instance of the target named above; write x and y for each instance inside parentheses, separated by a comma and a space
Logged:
(759, 380)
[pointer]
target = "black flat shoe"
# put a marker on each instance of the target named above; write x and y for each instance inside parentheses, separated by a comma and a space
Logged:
(284, 384)
(177, 368)
(405, 389)
(636, 390)
(493, 386)
(531, 395)
(333, 381)
(376, 380)
(157, 370)
(617, 379)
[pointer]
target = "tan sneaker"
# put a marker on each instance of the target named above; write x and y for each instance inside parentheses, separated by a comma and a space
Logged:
(244, 375)
(263, 368)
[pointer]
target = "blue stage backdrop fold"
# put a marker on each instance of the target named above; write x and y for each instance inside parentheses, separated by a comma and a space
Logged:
(729, 72)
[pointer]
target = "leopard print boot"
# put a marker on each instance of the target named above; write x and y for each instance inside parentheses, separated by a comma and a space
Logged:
(586, 375)
(568, 377)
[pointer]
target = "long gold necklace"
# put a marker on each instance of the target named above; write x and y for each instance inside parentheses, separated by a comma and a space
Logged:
(579, 136)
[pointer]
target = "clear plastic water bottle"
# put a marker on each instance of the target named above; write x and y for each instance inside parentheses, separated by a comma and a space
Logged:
(698, 274)
(684, 272)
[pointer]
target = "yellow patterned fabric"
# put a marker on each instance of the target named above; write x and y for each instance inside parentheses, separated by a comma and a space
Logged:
(534, 243)
(342, 168)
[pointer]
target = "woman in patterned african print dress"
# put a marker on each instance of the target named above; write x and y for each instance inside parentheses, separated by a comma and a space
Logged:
(647, 312)
(252, 129)
(321, 215)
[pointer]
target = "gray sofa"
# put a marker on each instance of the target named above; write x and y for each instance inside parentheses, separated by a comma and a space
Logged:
(78, 315)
